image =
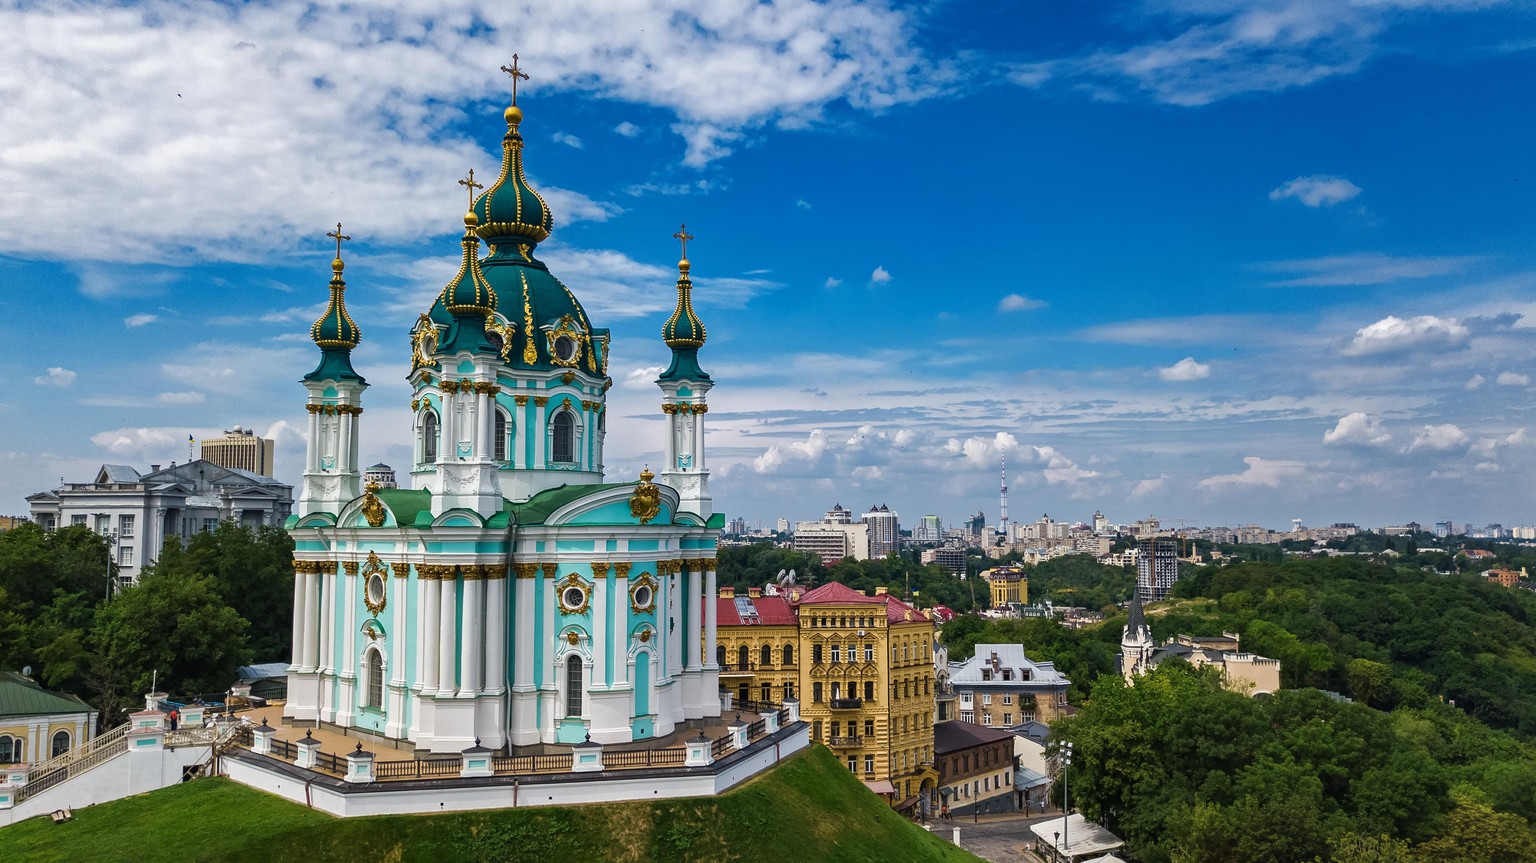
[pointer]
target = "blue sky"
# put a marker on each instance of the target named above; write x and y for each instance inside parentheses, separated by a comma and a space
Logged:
(1229, 261)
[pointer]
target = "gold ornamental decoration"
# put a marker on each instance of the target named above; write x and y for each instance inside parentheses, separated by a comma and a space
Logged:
(645, 503)
(373, 510)
(374, 596)
(574, 595)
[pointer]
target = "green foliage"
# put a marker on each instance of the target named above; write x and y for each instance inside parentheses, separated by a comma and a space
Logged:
(760, 563)
(175, 626)
(253, 569)
(808, 808)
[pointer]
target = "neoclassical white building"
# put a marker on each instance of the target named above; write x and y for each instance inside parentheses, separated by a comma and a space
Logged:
(513, 596)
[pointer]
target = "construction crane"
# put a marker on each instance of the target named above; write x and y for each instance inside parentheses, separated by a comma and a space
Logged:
(1182, 534)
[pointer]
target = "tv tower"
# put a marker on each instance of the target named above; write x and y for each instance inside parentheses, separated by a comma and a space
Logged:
(1003, 502)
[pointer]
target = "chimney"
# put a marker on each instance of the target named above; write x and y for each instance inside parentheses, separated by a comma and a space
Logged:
(727, 593)
(153, 468)
(754, 592)
(882, 590)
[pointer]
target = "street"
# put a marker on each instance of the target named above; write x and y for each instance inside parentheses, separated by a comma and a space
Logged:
(998, 838)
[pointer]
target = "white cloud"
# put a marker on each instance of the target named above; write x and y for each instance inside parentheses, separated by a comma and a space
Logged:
(803, 204)
(1474, 382)
(1316, 190)
(1438, 437)
(1151, 485)
(1513, 379)
(1357, 428)
(1363, 268)
(139, 320)
(627, 129)
(776, 456)
(879, 276)
(1019, 303)
(373, 93)
(143, 442)
(1185, 370)
(831, 283)
(567, 139)
(189, 397)
(1059, 469)
(1391, 334)
(56, 377)
(1489, 447)
(982, 451)
(1270, 473)
(643, 378)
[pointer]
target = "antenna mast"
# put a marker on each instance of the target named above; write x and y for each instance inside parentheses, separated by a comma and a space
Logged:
(1003, 502)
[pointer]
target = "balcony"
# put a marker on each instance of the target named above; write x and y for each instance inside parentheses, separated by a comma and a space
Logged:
(846, 703)
(845, 742)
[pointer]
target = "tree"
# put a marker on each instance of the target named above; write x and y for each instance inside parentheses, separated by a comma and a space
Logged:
(1474, 833)
(253, 569)
(175, 627)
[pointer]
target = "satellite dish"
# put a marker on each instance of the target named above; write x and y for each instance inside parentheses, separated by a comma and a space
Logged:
(26, 671)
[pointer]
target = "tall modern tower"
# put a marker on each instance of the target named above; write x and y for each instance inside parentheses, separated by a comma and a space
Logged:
(1002, 521)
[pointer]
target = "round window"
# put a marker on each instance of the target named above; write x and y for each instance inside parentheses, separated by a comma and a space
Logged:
(373, 593)
(565, 349)
(643, 596)
(573, 597)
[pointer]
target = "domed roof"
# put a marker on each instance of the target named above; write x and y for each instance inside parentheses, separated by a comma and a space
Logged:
(335, 328)
(468, 293)
(511, 211)
(684, 329)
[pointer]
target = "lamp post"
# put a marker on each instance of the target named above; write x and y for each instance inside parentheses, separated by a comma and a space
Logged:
(110, 536)
(1066, 791)
(1056, 846)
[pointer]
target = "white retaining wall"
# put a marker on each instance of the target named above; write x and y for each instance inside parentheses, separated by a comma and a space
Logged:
(123, 775)
(392, 798)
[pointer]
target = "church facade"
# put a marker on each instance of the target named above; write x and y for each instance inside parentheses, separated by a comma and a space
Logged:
(513, 597)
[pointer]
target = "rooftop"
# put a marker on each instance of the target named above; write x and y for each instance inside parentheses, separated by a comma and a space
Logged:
(954, 735)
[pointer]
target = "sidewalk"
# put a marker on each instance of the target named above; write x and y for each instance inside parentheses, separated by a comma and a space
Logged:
(999, 838)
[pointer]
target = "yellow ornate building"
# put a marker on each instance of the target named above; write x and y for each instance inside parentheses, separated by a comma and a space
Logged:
(1010, 584)
(861, 666)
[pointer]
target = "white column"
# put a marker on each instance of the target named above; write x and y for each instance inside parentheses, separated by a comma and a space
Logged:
(484, 403)
(427, 636)
(698, 440)
(540, 437)
(311, 622)
(349, 622)
(472, 642)
(600, 634)
(519, 439)
(328, 620)
(672, 589)
(711, 613)
(313, 455)
(694, 631)
(397, 642)
(671, 427)
(522, 672)
(343, 440)
(448, 633)
(496, 635)
(299, 598)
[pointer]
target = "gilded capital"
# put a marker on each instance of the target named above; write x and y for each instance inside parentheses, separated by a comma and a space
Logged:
(599, 569)
(526, 570)
(622, 569)
(520, 401)
(350, 566)
(550, 569)
(401, 570)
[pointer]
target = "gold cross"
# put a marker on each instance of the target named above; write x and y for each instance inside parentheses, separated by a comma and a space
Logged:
(516, 74)
(338, 236)
(471, 185)
(685, 237)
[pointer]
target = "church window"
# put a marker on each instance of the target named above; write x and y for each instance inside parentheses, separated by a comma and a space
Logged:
(565, 350)
(564, 437)
(429, 437)
(767, 658)
(60, 744)
(10, 749)
(499, 445)
(789, 656)
(375, 680)
(742, 659)
(573, 685)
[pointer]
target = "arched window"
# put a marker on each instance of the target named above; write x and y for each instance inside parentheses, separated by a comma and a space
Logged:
(742, 656)
(60, 744)
(573, 685)
(565, 437)
(789, 655)
(375, 680)
(767, 658)
(499, 444)
(10, 749)
(720, 655)
(429, 437)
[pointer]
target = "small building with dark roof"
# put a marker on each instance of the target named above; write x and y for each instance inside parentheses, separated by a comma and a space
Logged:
(976, 767)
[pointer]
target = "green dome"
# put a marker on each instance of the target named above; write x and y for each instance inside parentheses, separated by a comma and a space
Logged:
(335, 328)
(511, 211)
(468, 293)
(683, 329)
(543, 311)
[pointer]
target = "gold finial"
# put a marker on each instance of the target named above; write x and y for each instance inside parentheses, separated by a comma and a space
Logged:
(470, 184)
(684, 236)
(516, 74)
(646, 475)
(338, 236)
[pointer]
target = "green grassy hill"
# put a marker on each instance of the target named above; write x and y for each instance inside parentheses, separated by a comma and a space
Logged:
(810, 808)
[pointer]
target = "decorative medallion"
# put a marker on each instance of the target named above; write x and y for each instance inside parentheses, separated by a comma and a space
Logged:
(645, 503)
(575, 595)
(374, 596)
(373, 510)
(573, 638)
(567, 377)
(645, 635)
(423, 344)
(501, 334)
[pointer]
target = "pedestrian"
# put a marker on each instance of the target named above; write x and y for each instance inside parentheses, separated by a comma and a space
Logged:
(175, 717)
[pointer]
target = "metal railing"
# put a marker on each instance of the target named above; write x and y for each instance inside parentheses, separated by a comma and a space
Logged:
(846, 703)
(425, 768)
(845, 742)
(73, 763)
(719, 747)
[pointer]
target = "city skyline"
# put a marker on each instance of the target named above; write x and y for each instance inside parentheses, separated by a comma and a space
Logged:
(1237, 262)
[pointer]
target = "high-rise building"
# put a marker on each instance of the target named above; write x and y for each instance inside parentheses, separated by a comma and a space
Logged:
(241, 449)
(381, 475)
(1157, 567)
(832, 541)
(781, 525)
(929, 529)
(838, 515)
(1100, 523)
(884, 531)
(976, 525)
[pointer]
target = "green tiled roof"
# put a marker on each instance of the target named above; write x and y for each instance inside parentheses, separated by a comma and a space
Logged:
(406, 503)
(541, 506)
(21, 697)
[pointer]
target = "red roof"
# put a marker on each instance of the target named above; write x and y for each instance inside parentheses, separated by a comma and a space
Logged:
(837, 593)
(771, 611)
(896, 610)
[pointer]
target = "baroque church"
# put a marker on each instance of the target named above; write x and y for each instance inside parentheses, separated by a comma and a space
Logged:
(513, 598)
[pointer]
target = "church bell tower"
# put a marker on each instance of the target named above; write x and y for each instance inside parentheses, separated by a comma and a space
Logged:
(684, 386)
